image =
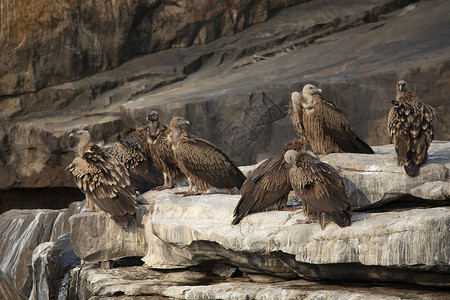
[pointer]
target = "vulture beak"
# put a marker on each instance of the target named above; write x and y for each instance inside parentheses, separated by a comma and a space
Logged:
(151, 116)
(71, 135)
(319, 90)
(187, 122)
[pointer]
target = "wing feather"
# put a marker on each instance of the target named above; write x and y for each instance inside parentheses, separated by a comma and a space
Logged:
(206, 162)
(106, 182)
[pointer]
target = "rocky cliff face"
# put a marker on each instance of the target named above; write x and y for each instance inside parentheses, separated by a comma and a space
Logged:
(188, 246)
(233, 89)
(228, 67)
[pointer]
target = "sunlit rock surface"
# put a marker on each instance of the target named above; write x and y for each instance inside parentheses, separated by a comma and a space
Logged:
(179, 232)
(21, 232)
(173, 232)
(51, 263)
(137, 282)
(373, 180)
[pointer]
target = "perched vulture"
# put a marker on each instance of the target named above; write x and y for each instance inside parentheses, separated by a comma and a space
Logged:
(320, 187)
(103, 179)
(411, 125)
(205, 165)
(134, 152)
(267, 185)
(322, 124)
(161, 152)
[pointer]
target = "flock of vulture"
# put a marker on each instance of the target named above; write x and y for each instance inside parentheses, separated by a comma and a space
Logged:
(155, 156)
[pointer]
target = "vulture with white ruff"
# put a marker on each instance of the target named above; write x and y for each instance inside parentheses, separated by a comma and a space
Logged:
(104, 180)
(322, 124)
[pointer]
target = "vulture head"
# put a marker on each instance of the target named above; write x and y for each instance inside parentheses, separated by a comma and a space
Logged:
(290, 157)
(153, 116)
(401, 86)
(178, 122)
(84, 138)
(308, 91)
(81, 135)
(401, 89)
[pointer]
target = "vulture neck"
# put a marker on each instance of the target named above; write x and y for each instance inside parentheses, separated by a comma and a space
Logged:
(309, 103)
(153, 128)
(84, 141)
(398, 95)
(176, 134)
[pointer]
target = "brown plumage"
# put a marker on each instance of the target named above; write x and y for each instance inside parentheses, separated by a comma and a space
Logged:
(268, 184)
(161, 152)
(134, 152)
(104, 180)
(205, 165)
(322, 124)
(320, 187)
(411, 125)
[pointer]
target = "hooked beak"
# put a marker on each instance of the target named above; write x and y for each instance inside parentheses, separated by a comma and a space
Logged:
(71, 135)
(151, 116)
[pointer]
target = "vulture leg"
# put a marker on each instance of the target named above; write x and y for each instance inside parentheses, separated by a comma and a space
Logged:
(307, 221)
(90, 206)
(168, 183)
(189, 192)
(231, 192)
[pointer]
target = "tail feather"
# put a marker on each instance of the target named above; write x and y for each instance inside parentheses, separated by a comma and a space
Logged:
(363, 147)
(236, 220)
(342, 220)
(124, 220)
(412, 169)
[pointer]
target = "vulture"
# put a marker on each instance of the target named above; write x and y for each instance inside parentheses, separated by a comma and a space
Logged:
(104, 180)
(320, 187)
(134, 152)
(161, 152)
(322, 124)
(268, 184)
(205, 165)
(411, 125)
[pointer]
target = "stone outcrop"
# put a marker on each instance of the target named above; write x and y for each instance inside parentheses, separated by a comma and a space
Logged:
(51, 264)
(233, 89)
(181, 232)
(373, 180)
(22, 231)
(194, 234)
(139, 281)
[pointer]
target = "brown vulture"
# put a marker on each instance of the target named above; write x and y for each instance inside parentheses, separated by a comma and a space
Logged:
(135, 153)
(320, 187)
(411, 125)
(103, 179)
(322, 124)
(268, 184)
(205, 165)
(161, 152)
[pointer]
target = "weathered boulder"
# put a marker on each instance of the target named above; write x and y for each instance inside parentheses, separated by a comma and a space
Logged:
(373, 180)
(140, 281)
(377, 246)
(180, 232)
(22, 231)
(96, 237)
(51, 263)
